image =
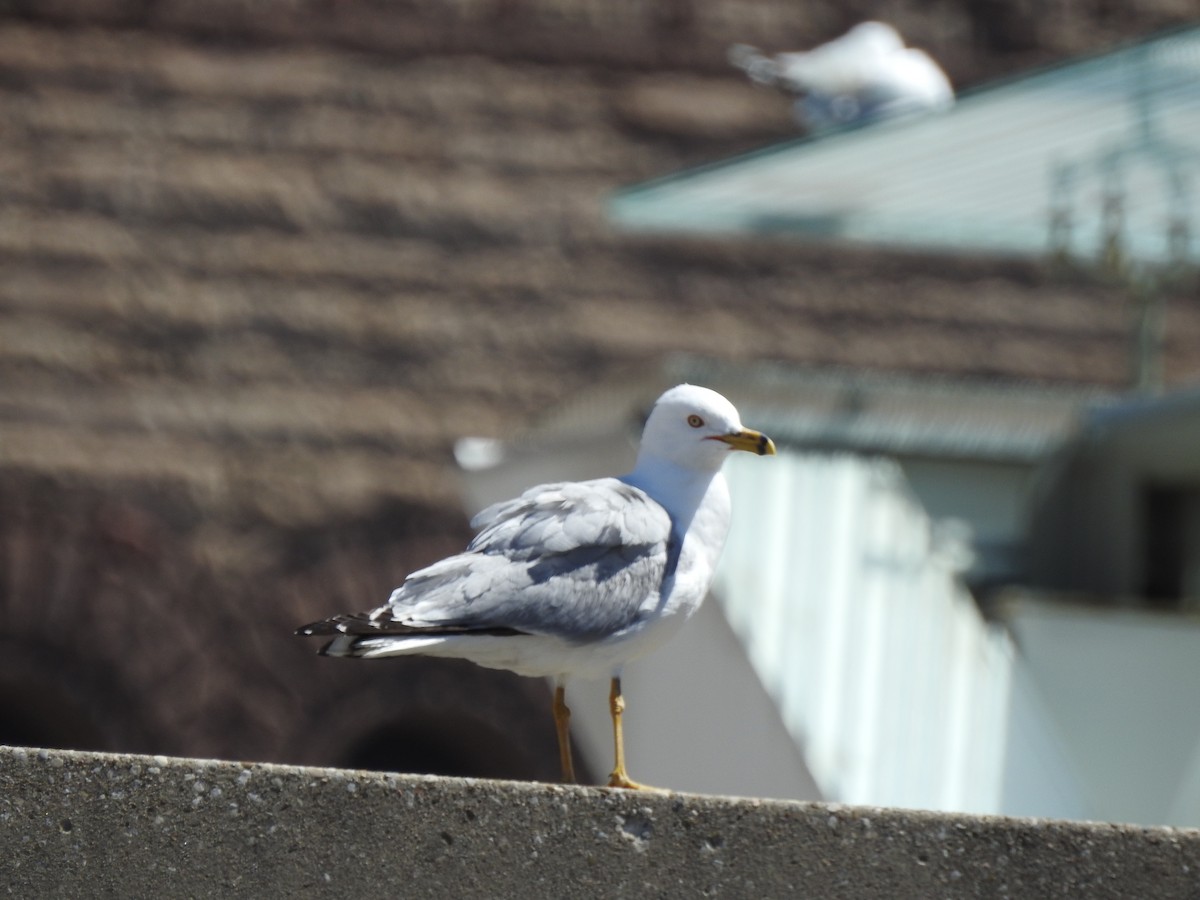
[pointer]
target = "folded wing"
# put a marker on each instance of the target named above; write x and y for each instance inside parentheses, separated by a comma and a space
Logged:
(573, 560)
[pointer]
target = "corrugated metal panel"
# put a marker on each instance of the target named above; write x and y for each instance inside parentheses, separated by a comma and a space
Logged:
(828, 410)
(884, 671)
(1020, 168)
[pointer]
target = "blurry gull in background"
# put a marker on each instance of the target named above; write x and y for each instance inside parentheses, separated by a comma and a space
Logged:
(576, 578)
(867, 74)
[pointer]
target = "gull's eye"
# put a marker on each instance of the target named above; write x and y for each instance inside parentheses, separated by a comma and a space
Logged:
(695, 421)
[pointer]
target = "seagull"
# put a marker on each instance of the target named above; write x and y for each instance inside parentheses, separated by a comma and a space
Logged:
(576, 578)
(866, 74)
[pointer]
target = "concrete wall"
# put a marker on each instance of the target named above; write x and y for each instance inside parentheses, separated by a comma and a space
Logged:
(80, 824)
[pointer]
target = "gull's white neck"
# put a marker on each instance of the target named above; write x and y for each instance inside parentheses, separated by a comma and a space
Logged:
(698, 502)
(680, 490)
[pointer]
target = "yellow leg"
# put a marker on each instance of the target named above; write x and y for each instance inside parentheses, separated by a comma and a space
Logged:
(620, 777)
(562, 724)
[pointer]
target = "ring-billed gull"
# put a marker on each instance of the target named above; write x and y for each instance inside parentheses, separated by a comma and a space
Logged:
(576, 578)
(867, 74)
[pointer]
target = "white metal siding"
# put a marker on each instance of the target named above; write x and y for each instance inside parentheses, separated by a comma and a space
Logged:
(886, 675)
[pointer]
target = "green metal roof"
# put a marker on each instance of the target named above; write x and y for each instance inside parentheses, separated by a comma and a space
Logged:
(1077, 158)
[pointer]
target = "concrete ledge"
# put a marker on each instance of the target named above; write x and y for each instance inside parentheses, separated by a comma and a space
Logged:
(87, 824)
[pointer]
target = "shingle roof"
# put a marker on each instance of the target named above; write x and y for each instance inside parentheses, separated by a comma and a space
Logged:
(315, 259)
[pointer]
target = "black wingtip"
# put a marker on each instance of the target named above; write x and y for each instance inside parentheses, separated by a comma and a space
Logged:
(325, 626)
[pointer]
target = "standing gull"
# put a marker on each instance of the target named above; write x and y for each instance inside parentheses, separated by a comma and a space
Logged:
(576, 578)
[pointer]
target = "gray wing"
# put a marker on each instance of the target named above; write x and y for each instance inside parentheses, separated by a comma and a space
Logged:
(576, 560)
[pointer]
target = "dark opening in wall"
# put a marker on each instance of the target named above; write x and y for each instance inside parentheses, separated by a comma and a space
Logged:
(1171, 544)
(430, 744)
(38, 715)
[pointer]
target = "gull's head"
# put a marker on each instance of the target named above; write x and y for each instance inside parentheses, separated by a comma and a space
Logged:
(697, 428)
(872, 39)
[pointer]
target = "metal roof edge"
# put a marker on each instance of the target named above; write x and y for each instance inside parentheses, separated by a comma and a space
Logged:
(830, 410)
(826, 410)
(1140, 409)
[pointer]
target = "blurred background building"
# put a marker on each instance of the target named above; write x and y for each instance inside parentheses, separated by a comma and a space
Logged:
(266, 266)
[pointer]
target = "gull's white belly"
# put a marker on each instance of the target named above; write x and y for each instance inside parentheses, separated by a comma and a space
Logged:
(538, 655)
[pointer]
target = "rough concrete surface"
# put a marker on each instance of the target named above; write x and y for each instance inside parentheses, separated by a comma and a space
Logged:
(76, 824)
